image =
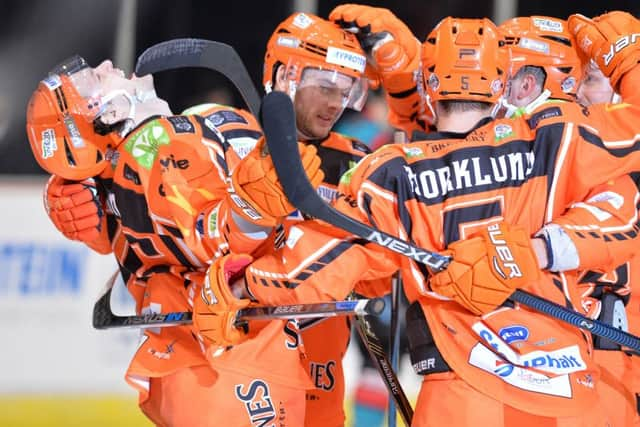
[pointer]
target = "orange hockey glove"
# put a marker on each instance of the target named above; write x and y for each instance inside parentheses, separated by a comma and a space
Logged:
(612, 40)
(259, 196)
(392, 45)
(214, 313)
(76, 211)
(487, 268)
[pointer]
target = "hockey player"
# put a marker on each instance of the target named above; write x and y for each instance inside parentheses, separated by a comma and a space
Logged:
(165, 209)
(484, 361)
(322, 68)
(595, 87)
(322, 85)
(610, 295)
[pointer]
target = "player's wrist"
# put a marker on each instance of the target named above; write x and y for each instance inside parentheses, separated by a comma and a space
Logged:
(542, 252)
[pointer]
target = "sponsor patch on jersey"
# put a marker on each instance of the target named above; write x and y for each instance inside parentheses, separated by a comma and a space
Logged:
(346, 59)
(548, 25)
(143, 144)
(294, 235)
(49, 145)
(242, 146)
(212, 223)
(564, 360)
(514, 333)
(226, 116)
(181, 124)
(542, 115)
(52, 82)
(302, 20)
(327, 194)
(483, 358)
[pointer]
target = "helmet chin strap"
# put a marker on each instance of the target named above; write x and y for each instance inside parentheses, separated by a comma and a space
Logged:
(106, 100)
(514, 111)
(139, 97)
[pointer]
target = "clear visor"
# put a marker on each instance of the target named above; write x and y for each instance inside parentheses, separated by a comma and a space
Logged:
(87, 84)
(330, 85)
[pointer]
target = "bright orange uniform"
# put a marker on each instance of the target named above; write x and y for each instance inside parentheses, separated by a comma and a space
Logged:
(515, 363)
(323, 357)
(194, 200)
(169, 215)
(325, 341)
(620, 370)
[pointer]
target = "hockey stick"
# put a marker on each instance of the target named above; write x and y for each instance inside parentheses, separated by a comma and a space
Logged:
(199, 53)
(379, 357)
(302, 195)
(104, 318)
(394, 338)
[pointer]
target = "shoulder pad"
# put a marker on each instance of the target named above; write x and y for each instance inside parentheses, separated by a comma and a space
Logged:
(345, 143)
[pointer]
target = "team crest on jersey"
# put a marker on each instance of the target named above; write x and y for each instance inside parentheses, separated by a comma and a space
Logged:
(412, 152)
(257, 401)
(502, 131)
(143, 145)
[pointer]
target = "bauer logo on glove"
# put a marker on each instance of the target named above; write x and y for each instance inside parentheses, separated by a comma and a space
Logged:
(504, 254)
(486, 268)
(215, 312)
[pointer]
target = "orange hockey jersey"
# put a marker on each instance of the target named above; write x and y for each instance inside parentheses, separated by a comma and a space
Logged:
(526, 172)
(168, 216)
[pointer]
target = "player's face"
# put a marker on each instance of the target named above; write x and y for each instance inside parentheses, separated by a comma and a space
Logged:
(595, 87)
(119, 91)
(320, 99)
